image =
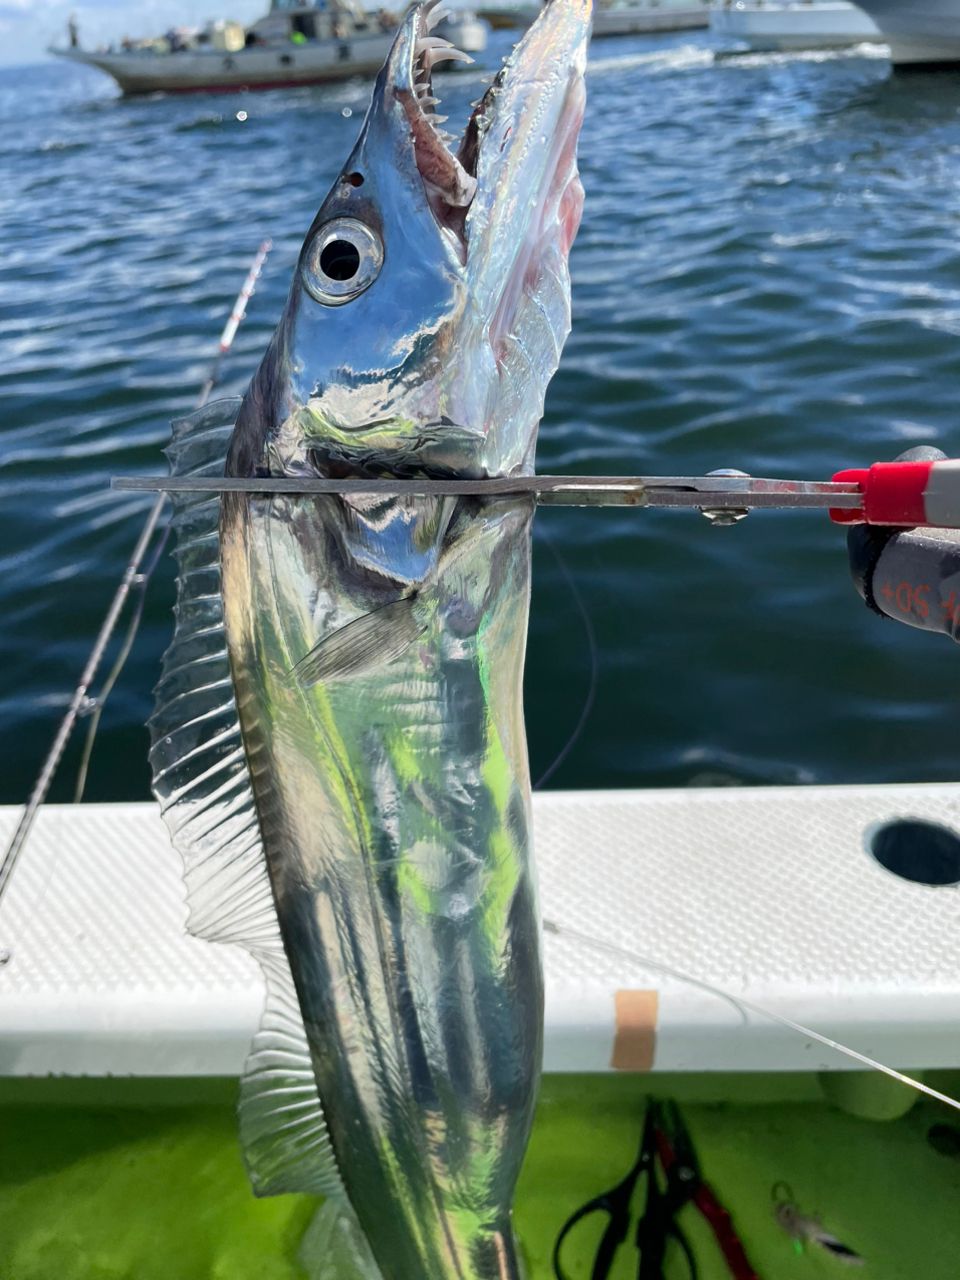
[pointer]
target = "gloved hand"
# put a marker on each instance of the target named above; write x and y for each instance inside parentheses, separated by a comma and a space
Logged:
(909, 575)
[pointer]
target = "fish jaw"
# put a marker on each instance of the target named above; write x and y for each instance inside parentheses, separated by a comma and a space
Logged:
(459, 327)
(522, 143)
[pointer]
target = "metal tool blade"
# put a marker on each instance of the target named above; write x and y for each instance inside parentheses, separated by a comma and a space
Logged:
(716, 492)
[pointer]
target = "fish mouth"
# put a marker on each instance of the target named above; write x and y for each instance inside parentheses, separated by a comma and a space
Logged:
(449, 178)
(450, 168)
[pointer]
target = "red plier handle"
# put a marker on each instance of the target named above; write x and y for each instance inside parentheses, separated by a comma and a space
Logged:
(682, 1169)
(724, 1232)
(908, 494)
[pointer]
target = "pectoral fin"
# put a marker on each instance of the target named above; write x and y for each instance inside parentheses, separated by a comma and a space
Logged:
(368, 642)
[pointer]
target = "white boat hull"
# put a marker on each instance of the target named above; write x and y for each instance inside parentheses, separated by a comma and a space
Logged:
(614, 19)
(465, 31)
(627, 19)
(918, 31)
(264, 67)
(790, 27)
(506, 16)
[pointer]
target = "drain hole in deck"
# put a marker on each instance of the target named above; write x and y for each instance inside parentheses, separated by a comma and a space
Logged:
(920, 851)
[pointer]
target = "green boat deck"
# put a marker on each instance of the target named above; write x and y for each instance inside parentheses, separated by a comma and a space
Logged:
(142, 1179)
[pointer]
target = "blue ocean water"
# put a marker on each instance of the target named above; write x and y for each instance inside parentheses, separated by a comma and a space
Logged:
(767, 277)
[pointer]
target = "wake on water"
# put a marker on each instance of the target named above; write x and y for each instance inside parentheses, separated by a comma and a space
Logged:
(696, 57)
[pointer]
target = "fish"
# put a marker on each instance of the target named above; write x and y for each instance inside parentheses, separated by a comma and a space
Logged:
(338, 741)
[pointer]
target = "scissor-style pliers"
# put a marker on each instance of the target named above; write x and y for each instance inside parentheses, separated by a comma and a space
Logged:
(906, 494)
(665, 1149)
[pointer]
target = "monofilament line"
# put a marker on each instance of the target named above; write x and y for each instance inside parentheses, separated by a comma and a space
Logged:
(748, 1006)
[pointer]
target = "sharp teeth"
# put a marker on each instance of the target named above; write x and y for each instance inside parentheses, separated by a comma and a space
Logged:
(435, 119)
(437, 15)
(432, 56)
(426, 100)
(431, 42)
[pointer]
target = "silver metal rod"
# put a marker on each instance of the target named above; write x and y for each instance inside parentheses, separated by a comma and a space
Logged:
(131, 577)
(626, 486)
(770, 501)
(635, 491)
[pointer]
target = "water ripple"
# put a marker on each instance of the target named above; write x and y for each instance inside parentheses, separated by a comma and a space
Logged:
(767, 277)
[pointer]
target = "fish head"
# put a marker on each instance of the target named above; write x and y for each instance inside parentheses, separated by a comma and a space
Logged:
(431, 297)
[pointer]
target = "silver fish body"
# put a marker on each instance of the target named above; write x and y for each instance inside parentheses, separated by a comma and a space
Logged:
(376, 645)
(393, 805)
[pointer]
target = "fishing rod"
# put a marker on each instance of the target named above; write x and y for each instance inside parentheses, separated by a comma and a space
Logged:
(82, 703)
(142, 580)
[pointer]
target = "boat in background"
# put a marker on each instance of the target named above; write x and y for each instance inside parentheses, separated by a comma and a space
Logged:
(294, 44)
(784, 25)
(630, 18)
(610, 17)
(464, 29)
(919, 32)
(508, 14)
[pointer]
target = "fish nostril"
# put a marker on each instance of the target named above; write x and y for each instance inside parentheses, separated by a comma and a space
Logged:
(923, 852)
(340, 260)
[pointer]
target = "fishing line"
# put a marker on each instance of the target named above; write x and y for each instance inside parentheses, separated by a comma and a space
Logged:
(81, 703)
(142, 581)
(747, 1006)
(592, 647)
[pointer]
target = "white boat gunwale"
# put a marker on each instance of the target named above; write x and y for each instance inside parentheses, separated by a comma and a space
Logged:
(768, 893)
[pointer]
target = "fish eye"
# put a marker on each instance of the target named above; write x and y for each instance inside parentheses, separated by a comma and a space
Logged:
(343, 259)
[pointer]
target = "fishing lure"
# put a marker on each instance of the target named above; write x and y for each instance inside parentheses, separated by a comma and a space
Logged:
(806, 1229)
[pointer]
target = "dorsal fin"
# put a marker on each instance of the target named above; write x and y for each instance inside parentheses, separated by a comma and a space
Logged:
(201, 779)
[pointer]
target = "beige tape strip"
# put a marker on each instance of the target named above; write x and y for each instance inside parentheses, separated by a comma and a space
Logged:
(635, 1038)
